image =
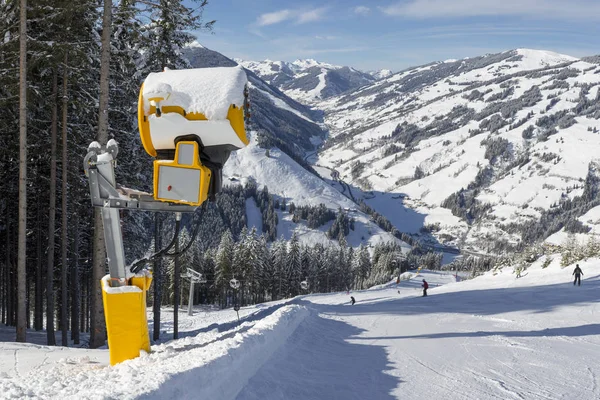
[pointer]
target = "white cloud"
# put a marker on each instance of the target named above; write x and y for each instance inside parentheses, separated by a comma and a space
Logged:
(328, 37)
(571, 9)
(275, 17)
(362, 10)
(299, 16)
(312, 15)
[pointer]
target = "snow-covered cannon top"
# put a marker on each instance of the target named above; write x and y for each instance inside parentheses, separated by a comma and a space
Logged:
(208, 91)
(206, 102)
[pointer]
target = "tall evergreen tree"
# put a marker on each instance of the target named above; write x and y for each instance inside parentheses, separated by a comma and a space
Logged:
(294, 265)
(224, 262)
(279, 261)
(167, 32)
(97, 334)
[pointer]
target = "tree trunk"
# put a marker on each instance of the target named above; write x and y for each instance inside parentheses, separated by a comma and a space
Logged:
(64, 325)
(3, 295)
(21, 272)
(98, 325)
(52, 216)
(9, 274)
(97, 335)
(38, 321)
(89, 291)
(75, 295)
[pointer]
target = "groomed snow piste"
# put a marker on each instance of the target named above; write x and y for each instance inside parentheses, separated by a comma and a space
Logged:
(493, 337)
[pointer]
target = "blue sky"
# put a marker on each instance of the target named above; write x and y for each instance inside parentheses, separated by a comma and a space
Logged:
(396, 34)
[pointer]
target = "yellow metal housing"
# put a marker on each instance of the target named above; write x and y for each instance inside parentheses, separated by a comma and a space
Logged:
(144, 126)
(161, 166)
(235, 115)
(126, 323)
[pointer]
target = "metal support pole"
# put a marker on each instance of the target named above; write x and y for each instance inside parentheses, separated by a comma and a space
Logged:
(191, 298)
(111, 221)
(177, 280)
(114, 246)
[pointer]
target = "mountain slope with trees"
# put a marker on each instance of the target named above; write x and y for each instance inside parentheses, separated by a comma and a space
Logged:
(492, 153)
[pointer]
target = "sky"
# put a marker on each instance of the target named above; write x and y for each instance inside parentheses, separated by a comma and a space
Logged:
(396, 34)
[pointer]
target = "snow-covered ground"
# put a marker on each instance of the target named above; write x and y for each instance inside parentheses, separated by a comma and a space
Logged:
(493, 337)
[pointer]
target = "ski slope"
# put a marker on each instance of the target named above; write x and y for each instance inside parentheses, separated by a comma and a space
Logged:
(493, 337)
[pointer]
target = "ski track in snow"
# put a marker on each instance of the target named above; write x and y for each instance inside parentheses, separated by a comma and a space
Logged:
(493, 337)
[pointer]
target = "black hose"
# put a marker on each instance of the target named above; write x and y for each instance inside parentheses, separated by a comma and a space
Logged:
(139, 265)
(192, 239)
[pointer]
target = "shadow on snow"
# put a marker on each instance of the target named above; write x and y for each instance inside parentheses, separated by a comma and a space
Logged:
(319, 362)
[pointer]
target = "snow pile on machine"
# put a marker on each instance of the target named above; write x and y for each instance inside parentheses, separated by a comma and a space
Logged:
(209, 91)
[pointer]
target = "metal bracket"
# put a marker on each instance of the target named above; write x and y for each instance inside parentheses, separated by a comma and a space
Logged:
(99, 166)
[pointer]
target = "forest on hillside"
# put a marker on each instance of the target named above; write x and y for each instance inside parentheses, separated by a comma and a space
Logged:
(70, 73)
(73, 78)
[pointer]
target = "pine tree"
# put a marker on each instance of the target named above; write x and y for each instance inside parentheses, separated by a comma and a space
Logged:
(362, 266)
(135, 166)
(255, 259)
(185, 260)
(279, 260)
(224, 262)
(569, 252)
(592, 247)
(264, 269)
(294, 265)
(168, 33)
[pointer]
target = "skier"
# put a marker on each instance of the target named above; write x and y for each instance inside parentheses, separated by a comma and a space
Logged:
(425, 286)
(578, 272)
(352, 300)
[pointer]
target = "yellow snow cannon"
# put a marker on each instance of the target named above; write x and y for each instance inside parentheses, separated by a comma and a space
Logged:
(190, 121)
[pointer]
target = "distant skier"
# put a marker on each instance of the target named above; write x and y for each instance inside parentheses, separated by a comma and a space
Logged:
(578, 272)
(425, 286)
(352, 300)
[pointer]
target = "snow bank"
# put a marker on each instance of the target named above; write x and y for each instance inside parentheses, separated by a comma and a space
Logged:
(239, 359)
(209, 91)
(210, 365)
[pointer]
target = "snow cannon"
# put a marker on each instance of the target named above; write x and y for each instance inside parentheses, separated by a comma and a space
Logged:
(190, 121)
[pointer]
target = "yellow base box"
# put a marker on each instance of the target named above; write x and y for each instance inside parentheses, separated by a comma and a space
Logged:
(126, 323)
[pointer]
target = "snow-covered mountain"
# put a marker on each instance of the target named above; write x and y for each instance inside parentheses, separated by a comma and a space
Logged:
(485, 152)
(309, 80)
(289, 130)
(380, 74)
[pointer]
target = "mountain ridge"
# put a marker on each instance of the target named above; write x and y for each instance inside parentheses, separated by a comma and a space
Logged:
(308, 80)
